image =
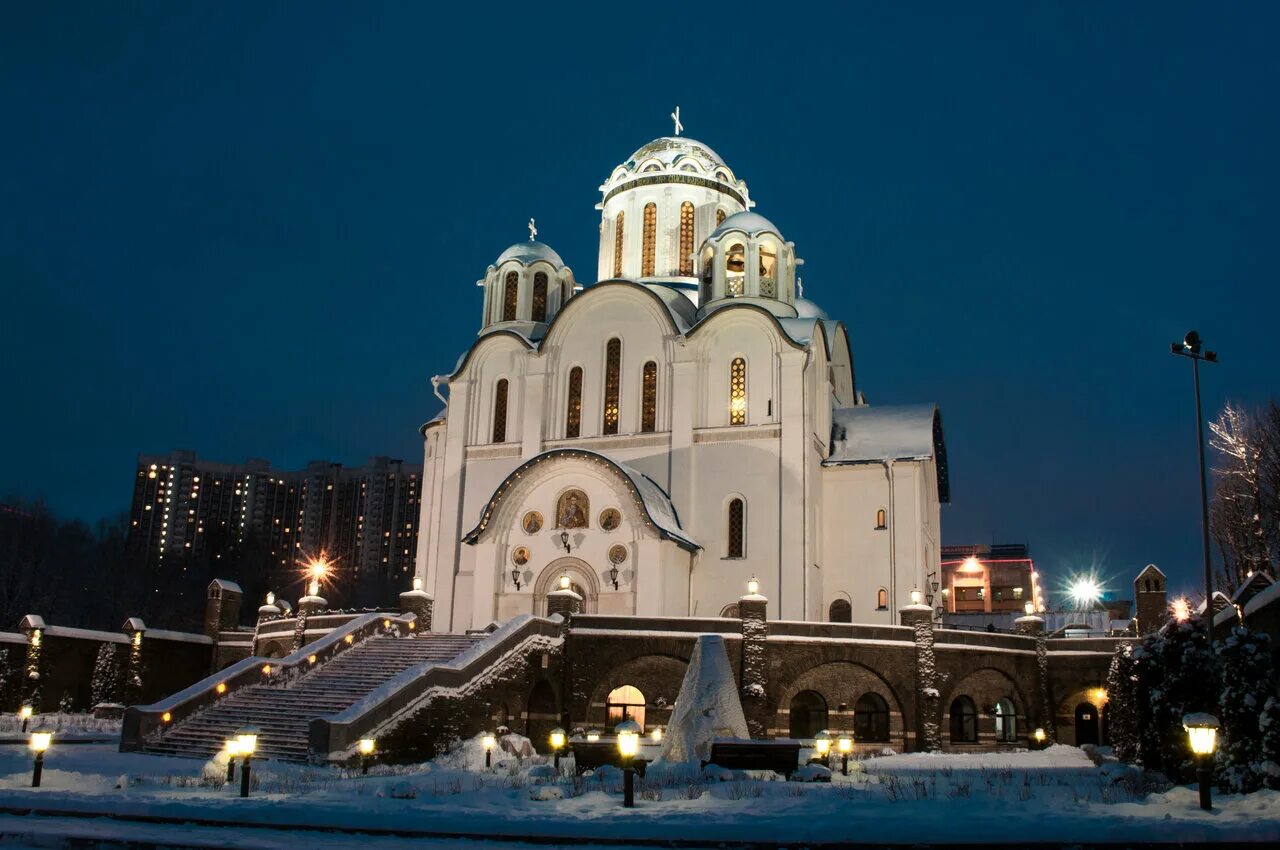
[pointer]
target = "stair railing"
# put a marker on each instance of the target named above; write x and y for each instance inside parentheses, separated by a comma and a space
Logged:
(333, 737)
(142, 722)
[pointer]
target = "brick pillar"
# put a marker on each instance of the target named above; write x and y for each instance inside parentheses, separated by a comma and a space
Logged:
(307, 606)
(755, 662)
(566, 603)
(419, 603)
(134, 629)
(1033, 626)
(927, 699)
(33, 625)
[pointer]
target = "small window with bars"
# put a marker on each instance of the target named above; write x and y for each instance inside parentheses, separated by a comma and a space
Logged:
(686, 238)
(612, 384)
(737, 528)
(649, 398)
(500, 412)
(650, 240)
(738, 392)
(540, 297)
(573, 411)
(510, 292)
(617, 246)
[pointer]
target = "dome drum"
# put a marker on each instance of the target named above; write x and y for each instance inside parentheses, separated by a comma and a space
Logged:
(746, 260)
(525, 288)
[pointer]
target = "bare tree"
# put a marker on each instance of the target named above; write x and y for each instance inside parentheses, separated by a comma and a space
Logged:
(1245, 515)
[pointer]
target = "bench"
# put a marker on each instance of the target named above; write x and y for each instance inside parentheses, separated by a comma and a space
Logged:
(590, 755)
(781, 755)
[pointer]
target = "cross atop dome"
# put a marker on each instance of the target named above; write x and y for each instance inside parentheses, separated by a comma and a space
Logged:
(533, 230)
(675, 116)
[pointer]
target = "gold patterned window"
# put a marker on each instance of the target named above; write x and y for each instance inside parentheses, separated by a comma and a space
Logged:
(686, 238)
(738, 392)
(737, 528)
(719, 217)
(617, 247)
(612, 384)
(573, 411)
(540, 297)
(649, 398)
(650, 239)
(510, 291)
(500, 412)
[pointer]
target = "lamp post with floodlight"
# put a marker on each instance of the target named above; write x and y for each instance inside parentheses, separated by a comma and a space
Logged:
(1202, 729)
(557, 744)
(628, 732)
(1191, 347)
(247, 741)
(40, 741)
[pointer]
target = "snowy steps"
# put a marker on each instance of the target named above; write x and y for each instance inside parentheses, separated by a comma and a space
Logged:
(283, 712)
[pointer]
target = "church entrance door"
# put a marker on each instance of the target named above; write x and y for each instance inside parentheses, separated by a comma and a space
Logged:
(582, 581)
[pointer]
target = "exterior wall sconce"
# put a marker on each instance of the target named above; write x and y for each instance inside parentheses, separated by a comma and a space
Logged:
(613, 576)
(564, 540)
(515, 577)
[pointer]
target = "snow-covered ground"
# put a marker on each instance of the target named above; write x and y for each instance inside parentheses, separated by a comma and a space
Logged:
(1057, 795)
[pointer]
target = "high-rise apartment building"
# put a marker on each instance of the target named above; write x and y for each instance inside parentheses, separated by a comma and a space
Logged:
(192, 518)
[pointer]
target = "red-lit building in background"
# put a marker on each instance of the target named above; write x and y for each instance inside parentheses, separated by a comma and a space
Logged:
(991, 579)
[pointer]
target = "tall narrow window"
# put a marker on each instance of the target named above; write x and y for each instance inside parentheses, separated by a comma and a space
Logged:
(882, 600)
(500, 412)
(612, 384)
(617, 247)
(882, 519)
(509, 293)
(573, 412)
(738, 392)
(719, 217)
(736, 529)
(540, 297)
(649, 398)
(686, 238)
(650, 239)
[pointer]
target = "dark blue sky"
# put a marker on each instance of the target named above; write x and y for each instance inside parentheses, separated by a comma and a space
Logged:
(254, 229)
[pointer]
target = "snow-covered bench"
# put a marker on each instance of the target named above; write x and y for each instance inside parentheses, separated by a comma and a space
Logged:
(781, 755)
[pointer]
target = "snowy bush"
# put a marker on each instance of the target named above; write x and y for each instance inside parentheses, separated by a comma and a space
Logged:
(1269, 731)
(105, 684)
(1122, 704)
(1245, 659)
(1177, 675)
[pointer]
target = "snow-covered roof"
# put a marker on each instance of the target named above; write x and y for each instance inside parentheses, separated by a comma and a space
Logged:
(806, 309)
(225, 584)
(530, 251)
(671, 149)
(748, 222)
(651, 499)
(867, 434)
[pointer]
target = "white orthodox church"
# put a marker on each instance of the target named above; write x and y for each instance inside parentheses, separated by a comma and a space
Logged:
(665, 434)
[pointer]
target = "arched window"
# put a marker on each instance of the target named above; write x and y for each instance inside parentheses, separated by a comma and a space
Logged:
(540, 297)
(731, 610)
(882, 600)
(768, 270)
(840, 612)
(808, 714)
(617, 246)
(649, 398)
(735, 283)
(500, 412)
(882, 520)
(719, 217)
(573, 410)
(871, 718)
(1006, 721)
(686, 238)
(612, 384)
(736, 529)
(509, 293)
(738, 392)
(650, 239)
(964, 721)
(708, 274)
(625, 703)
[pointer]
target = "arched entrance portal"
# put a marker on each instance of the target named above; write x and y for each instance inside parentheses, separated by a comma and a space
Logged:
(1086, 724)
(808, 714)
(582, 580)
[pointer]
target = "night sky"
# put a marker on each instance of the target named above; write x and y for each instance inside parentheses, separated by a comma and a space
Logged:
(254, 230)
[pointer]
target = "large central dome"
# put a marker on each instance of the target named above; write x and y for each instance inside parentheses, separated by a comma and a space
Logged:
(671, 149)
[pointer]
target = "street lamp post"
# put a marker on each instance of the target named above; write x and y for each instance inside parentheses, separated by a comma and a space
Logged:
(822, 745)
(488, 742)
(366, 747)
(25, 714)
(247, 742)
(233, 750)
(628, 732)
(557, 744)
(1202, 729)
(845, 744)
(1191, 348)
(40, 741)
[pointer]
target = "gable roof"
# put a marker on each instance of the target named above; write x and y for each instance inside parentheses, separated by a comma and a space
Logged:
(867, 434)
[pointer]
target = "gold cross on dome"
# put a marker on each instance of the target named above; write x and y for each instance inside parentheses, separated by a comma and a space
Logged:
(533, 230)
(675, 116)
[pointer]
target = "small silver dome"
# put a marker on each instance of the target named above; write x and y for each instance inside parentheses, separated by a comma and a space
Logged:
(529, 252)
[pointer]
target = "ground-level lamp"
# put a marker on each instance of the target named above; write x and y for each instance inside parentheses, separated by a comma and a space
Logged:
(366, 746)
(1039, 736)
(656, 734)
(246, 742)
(845, 745)
(233, 750)
(25, 714)
(628, 732)
(593, 737)
(822, 744)
(40, 741)
(557, 739)
(1202, 729)
(488, 741)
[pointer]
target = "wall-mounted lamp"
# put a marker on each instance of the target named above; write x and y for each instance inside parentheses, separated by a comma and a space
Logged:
(564, 540)
(515, 577)
(613, 576)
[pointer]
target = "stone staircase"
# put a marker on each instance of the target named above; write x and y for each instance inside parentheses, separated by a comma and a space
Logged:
(283, 711)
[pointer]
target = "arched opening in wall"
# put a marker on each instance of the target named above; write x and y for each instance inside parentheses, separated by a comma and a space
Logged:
(768, 270)
(686, 238)
(612, 385)
(510, 292)
(720, 214)
(738, 392)
(871, 718)
(882, 520)
(840, 611)
(649, 241)
(617, 246)
(500, 411)
(964, 721)
(543, 715)
(735, 281)
(1087, 724)
(708, 274)
(736, 529)
(624, 703)
(582, 581)
(731, 610)
(808, 712)
(882, 599)
(1006, 721)
(573, 406)
(540, 297)
(649, 398)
